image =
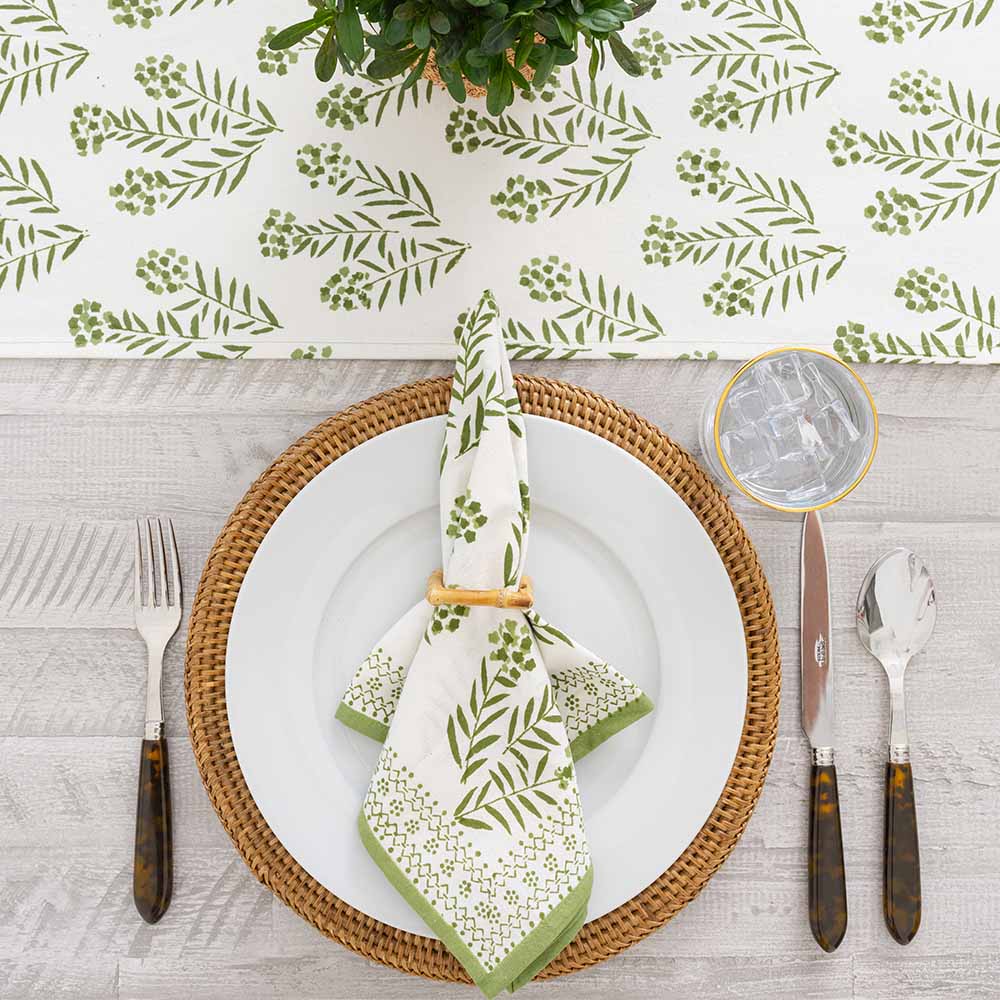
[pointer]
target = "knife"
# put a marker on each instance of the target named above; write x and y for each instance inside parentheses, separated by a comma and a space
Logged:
(827, 884)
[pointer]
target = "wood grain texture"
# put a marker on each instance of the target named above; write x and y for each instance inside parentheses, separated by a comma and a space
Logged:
(87, 445)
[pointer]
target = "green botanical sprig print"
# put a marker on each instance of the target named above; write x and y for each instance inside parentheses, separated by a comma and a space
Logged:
(763, 63)
(385, 248)
(468, 130)
(544, 633)
(898, 21)
(36, 52)
(204, 133)
(345, 106)
(601, 128)
(446, 618)
(470, 382)
(466, 518)
(956, 155)
(762, 265)
(519, 529)
(968, 323)
(32, 241)
(142, 13)
(511, 746)
(209, 316)
(590, 312)
(312, 353)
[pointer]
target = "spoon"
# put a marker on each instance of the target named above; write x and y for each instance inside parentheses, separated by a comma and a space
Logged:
(896, 613)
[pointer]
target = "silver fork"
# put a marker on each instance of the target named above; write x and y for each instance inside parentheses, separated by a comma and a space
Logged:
(158, 603)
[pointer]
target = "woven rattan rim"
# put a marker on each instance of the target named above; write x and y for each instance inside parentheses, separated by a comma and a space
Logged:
(205, 692)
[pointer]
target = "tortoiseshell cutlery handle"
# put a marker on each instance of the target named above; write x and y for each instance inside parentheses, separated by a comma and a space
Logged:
(153, 871)
(827, 883)
(901, 883)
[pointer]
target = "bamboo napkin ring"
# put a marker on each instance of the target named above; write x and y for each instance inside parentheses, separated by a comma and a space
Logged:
(438, 593)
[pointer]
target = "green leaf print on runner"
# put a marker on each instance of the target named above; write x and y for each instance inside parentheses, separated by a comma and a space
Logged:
(142, 13)
(899, 21)
(763, 62)
(590, 312)
(32, 241)
(762, 267)
(345, 106)
(602, 130)
(36, 53)
(383, 248)
(208, 317)
(203, 134)
(969, 324)
(955, 156)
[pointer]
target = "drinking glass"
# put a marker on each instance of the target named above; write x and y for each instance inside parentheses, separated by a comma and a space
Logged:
(794, 429)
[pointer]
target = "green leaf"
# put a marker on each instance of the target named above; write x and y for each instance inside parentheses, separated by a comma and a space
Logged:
(453, 742)
(326, 56)
(474, 824)
(350, 34)
(294, 33)
(624, 56)
(421, 33)
(440, 23)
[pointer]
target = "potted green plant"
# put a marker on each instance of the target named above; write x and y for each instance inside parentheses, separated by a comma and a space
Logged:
(499, 46)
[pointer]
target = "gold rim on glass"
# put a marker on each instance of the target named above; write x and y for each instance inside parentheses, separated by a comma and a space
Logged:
(718, 437)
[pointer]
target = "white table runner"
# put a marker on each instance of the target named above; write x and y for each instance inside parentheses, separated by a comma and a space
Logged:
(170, 188)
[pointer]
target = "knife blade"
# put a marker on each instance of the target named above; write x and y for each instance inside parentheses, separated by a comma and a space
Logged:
(827, 881)
(815, 645)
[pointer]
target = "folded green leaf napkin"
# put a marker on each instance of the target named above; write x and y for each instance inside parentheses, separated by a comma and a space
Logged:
(473, 812)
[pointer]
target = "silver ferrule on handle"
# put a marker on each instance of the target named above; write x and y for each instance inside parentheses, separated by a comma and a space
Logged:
(154, 696)
(822, 756)
(899, 741)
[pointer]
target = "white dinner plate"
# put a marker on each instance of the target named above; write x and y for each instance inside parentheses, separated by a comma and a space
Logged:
(618, 561)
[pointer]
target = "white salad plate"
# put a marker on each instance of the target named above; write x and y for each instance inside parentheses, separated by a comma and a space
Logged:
(618, 562)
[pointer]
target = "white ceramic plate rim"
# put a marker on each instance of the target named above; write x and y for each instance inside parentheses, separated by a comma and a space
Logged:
(281, 733)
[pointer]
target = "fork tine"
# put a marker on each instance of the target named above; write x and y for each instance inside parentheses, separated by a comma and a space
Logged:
(163, 564)
(175, 564)
(137, 597)
(149, 565)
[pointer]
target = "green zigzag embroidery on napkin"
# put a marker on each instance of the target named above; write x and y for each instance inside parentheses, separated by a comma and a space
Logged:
(386, 245)
(766, 250)
(33, 237)
(491, 922)
(202, 135)
(900, 21)
(955, 155)
(969, 326)
(589, 312)
(763, 61)
(596, 701)
(210, 316)
(37, 54)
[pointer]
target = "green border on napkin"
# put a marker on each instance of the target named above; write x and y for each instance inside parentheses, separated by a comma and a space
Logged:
(361, 723)
(593, 737)
(529, 957)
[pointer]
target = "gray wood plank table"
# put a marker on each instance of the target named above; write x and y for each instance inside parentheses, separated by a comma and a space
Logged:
(84, 446)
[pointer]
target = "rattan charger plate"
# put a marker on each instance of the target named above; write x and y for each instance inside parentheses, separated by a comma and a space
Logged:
(205, 690)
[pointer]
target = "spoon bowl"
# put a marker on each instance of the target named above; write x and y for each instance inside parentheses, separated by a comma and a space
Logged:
(896, 608)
